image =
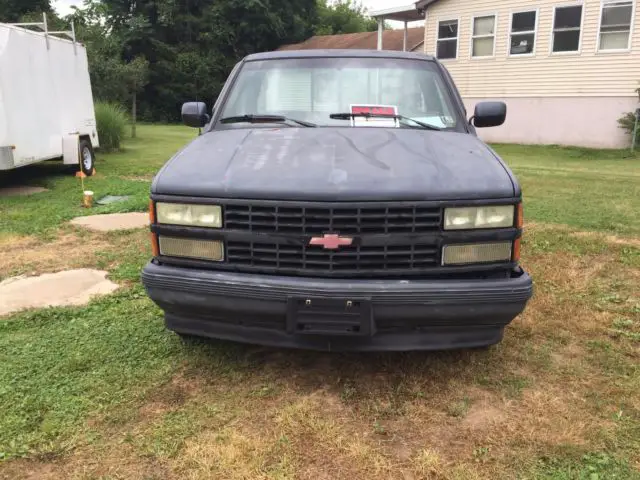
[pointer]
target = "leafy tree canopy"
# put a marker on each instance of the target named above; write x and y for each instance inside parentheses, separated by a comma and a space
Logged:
(343, 16)
(14, 10)
(190, 45)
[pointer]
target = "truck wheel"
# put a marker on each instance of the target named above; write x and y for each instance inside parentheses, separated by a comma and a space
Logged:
(87, 157)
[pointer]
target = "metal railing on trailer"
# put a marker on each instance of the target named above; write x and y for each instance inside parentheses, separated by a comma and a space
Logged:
(44, 26)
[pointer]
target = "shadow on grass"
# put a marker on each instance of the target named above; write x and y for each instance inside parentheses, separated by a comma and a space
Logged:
(39, 175)
(359, 379)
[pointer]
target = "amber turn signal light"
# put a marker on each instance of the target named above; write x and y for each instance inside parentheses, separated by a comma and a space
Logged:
(154, 238)
(152, 212)
(520, 216)
(519, 224)
(516, 250)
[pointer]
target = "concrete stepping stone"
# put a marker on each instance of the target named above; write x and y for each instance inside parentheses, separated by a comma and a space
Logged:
(72, 287)
(21, 191)
(113, 221)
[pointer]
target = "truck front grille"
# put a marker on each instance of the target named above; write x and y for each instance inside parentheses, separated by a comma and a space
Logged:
(346, 260)
(345, 220)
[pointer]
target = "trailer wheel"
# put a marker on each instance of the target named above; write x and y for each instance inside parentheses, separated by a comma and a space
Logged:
(87, 157)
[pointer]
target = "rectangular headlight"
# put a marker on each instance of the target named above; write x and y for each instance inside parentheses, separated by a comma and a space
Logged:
(476, 253)
(190, 215)
(192, 248)
(466, 218)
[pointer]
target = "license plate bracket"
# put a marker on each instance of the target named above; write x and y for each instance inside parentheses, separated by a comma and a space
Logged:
(330, 316)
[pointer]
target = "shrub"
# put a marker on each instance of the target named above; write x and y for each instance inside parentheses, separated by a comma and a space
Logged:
(111, 120)
(627, 122)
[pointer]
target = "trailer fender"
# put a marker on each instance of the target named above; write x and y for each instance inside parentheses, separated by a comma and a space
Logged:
(6, 158)
(71, 149)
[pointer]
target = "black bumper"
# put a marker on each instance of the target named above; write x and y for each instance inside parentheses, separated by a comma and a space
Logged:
(403, 314)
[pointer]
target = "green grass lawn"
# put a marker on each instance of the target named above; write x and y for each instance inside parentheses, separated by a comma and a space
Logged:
(587, 189)
(105, 392)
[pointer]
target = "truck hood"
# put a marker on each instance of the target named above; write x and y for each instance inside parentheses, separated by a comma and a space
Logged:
(336, 164)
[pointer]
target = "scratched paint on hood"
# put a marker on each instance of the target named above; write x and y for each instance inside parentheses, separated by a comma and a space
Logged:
(335, 164)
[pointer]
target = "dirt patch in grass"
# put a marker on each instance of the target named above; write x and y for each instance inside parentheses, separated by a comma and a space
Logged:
(29, 469)
(118, 461)
(483, 416)
(531, 228)
(171, 396)
(32, 255)
(139, 178)
(568, 356)
(610, 239)
(69, 250)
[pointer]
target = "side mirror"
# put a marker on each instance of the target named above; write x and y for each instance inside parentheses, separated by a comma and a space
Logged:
(194, 114)
(489, 114)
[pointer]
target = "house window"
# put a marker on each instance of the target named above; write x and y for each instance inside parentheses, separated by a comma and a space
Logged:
(567, 23)
(484, 36)
(523, 33)
(447, 39)
(615, 25)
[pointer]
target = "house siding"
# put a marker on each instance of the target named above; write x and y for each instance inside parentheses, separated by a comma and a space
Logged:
(580, 121)
(589, 73)
(570, 99)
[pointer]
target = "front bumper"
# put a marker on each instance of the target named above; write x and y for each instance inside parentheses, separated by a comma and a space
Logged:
(405, 314)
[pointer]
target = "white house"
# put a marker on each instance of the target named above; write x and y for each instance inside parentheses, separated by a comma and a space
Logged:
(566, 69)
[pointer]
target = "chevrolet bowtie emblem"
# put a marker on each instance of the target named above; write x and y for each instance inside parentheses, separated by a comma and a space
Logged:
(331, 241)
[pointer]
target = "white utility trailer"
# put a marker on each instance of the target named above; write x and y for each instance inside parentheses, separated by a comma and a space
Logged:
(46, 103)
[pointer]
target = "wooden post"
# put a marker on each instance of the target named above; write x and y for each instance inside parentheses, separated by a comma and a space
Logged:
(380, 30)
(404, 37)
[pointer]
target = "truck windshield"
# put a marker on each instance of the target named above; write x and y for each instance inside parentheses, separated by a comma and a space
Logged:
(312, 89)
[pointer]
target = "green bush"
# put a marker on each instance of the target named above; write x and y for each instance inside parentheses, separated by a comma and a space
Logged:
(627, 122)
(112, 121)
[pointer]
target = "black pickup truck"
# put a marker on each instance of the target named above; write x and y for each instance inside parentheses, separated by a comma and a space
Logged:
(339, 200)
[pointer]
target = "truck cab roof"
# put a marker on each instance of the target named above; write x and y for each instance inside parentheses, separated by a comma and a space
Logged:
(338, 53)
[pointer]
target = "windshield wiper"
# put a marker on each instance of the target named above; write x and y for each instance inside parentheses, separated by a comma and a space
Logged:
(253, 118)
(349, 116)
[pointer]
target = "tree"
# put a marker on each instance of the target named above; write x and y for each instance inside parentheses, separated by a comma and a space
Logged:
(190, 45)
(343, 16)
(114, 78)
(13, 10)
(136, 75)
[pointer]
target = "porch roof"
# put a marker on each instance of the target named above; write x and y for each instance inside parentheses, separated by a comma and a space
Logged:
(408, 13)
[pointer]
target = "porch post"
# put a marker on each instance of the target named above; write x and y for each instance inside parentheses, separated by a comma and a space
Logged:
(404, 38)
(380, 29)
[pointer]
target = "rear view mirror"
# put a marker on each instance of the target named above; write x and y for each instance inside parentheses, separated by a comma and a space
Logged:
(194, 114)
(489, 114)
